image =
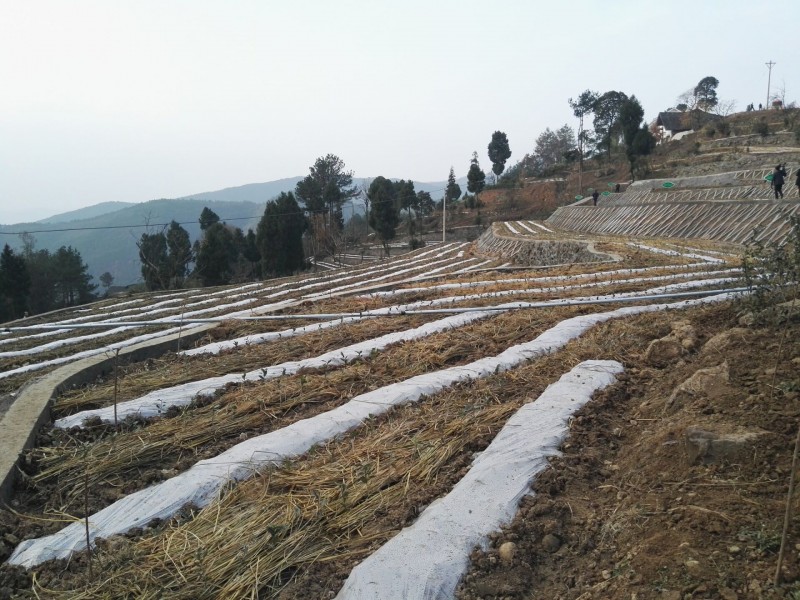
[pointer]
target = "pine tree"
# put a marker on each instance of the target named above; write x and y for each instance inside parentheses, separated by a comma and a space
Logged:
(252, 254)
(216, 255)
(42, 271)
(154, 258)
(424, 205)
(706, 93)
(15, 284)
(279, 236)
(179, 255)
(72, 282)
(326, 187)
(107, 280)
(580, 108)
(207, 218)
(406, 199)
(606, 118)
(384, 215)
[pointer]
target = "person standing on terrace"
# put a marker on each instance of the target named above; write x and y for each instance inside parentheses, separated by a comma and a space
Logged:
(778, 177)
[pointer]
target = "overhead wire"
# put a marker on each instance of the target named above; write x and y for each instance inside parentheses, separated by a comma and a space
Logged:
(155, 225)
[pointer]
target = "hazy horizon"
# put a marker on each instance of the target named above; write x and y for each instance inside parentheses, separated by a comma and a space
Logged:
(134, 101)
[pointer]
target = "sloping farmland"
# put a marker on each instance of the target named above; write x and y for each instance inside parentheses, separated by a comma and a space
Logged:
(288, 430)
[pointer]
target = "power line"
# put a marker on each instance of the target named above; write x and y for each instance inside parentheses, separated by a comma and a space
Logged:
(111, 227)
(147, 225)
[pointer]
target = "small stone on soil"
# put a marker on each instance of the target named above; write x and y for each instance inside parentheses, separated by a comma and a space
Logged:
(551, 543)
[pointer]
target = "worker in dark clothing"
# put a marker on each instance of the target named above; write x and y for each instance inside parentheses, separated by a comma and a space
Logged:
(778, 177)
(797, 182)
(595, 196)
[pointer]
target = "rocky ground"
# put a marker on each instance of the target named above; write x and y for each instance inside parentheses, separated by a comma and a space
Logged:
(673, 484)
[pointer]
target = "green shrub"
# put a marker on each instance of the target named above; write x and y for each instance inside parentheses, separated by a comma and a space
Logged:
(709, 130)
(724, 128)
(771, 272)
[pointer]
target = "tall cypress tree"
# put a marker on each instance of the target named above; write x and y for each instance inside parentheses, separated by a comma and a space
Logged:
(476, 178)
(453, 191)
(499, 152)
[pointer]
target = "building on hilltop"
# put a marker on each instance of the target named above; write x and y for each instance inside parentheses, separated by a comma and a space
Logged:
(675, 124)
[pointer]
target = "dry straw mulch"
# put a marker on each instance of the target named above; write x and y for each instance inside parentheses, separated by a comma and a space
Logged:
(118, 464)
(296, 531)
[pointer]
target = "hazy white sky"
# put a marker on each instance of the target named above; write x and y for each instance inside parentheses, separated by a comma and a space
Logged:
(134, 100)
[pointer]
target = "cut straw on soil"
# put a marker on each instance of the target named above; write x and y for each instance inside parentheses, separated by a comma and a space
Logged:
(314, 519)
(200, 484)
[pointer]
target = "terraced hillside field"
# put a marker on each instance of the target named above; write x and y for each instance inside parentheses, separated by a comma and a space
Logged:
(370, 432)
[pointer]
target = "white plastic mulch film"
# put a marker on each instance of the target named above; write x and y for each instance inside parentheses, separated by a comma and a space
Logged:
(425, 560)
(157, 402)
(201, 483)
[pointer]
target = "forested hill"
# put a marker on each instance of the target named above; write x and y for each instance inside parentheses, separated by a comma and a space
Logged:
(251, 192)
(107, 242)
(89, 212)
(105, 234)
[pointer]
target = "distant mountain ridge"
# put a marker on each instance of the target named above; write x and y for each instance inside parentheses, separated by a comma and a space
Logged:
(250, 192)
(107, 242)
(262, 192)
(88, 212)
(106, 233)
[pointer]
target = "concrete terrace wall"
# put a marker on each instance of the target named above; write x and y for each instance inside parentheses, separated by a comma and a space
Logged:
(734, 185)
(533, 252)
(728, 221)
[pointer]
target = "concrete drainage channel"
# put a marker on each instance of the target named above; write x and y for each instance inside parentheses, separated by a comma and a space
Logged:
(27, 412)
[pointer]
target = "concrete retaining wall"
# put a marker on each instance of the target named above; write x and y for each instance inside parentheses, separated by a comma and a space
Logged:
(31, 408)
(732, 222)
(530, 252)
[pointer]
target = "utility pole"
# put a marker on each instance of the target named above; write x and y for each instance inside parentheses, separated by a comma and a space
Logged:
(444, 217)
(770, 64)
(580, 154)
